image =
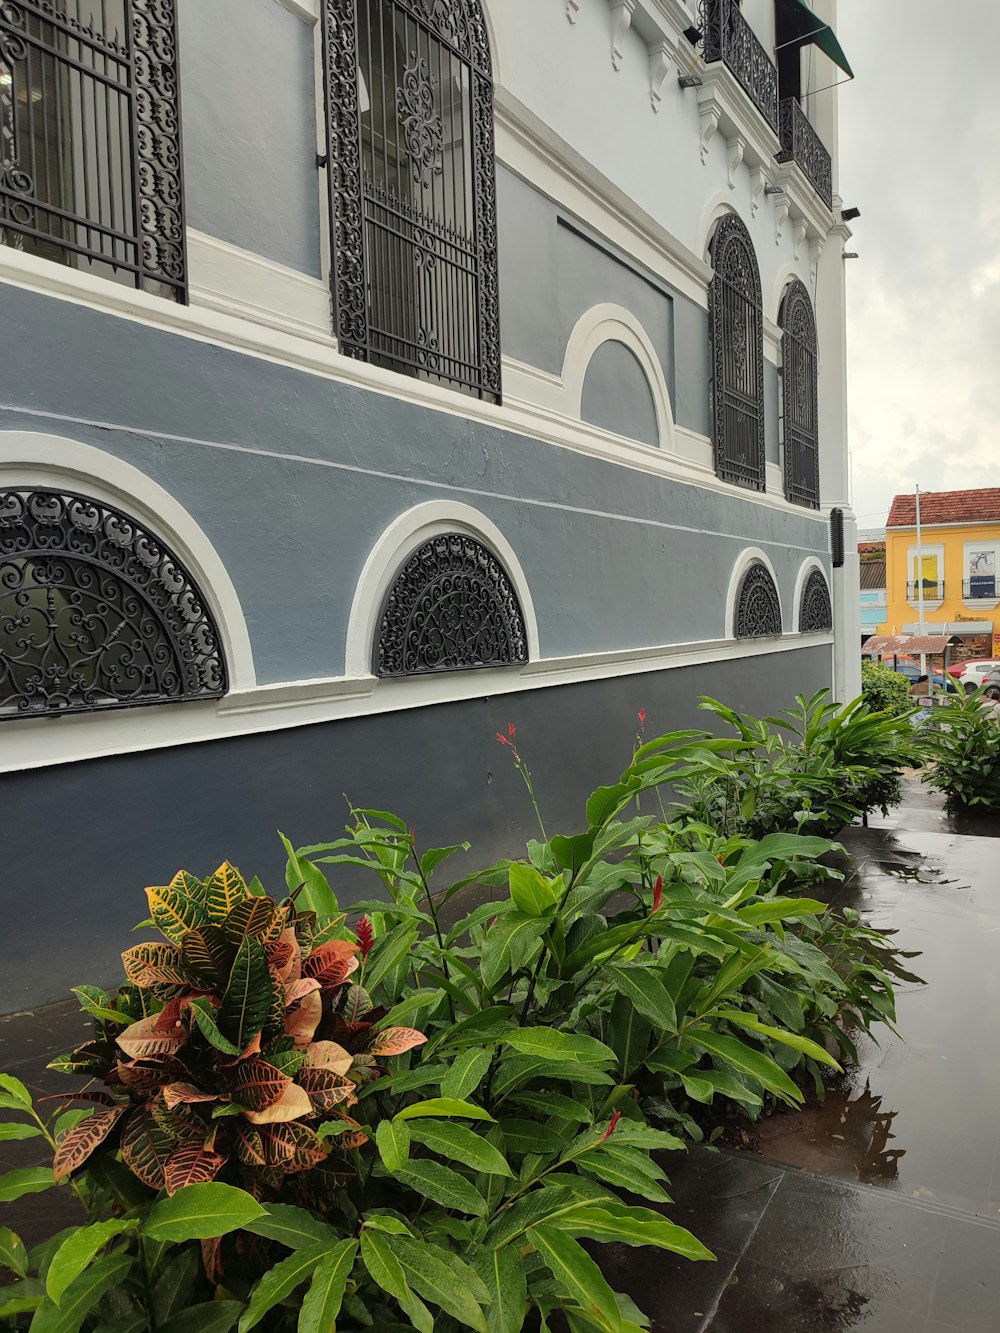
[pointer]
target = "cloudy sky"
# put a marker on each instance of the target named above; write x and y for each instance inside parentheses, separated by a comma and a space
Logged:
(920, 156)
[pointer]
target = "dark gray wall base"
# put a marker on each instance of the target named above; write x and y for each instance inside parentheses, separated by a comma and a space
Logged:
(81, 841)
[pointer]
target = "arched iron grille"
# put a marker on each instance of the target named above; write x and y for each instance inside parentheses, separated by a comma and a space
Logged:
(799, 396)
(94, 611)
(758, 610)
(815, 609)
(409, 99)
(451, 608)
(736, 340)
(90, 165)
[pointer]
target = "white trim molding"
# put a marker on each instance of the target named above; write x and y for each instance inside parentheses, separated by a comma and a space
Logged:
(613, 323)
(29, 459)
(748, 556)
(391, 551)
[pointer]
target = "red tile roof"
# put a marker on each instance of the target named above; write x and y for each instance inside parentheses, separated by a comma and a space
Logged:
(982, 506)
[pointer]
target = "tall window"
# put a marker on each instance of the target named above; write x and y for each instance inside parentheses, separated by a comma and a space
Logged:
(95, 612)
(736, 337)
(799, 396)
(409, 99)
(90, 139)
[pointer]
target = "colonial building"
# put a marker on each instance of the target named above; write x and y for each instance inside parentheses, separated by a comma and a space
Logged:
(872, 571)
(954, 568)
(375, 373)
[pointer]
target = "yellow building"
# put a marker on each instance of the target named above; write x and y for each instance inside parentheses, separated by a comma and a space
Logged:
(958, 564)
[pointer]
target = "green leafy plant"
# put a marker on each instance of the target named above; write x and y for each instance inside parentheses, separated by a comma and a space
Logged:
(965, 753)
(884, 690)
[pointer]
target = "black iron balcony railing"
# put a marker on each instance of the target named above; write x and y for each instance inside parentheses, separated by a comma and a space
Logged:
(933, 592)
(729, 37)
(801, 144)
(983, 586)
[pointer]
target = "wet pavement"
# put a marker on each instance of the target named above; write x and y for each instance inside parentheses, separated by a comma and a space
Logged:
(877, 1211)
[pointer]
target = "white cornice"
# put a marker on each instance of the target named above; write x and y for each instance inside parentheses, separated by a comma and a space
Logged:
(307, 10)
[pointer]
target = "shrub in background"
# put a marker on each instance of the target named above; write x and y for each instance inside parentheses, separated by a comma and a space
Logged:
(884, 690)
(965, 750)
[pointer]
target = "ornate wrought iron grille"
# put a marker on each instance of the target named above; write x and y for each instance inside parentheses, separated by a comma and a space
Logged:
(736, 340)
(815, 610)
(451, 608)
(95, 613)
(409, 103)
(90, 169)
(801, 144)
(729, 37)
(758, 610)
(799, 396)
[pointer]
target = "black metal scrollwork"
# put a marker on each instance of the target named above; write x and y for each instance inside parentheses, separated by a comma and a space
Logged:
(736, 339)
(451, 608)
(758, 610)
(801, 144)
(800, 396)
(815, 609)
(95, 612)
(730, 38)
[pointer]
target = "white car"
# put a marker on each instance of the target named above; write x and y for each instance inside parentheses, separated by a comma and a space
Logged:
(975, 673)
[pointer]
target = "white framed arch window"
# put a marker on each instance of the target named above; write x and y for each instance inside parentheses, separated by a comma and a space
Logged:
(813, 603)
(753, 603)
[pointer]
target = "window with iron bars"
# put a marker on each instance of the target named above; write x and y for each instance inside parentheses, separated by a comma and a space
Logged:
(409, 102)
(736, 339)
(90, 166)
(799, 396)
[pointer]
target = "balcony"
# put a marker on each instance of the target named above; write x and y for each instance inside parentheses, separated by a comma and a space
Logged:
(980, 589)
(933, 592)
(802, 145)
(728, 37)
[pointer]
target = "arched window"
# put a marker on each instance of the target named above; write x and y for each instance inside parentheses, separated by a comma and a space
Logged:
(815, 609)
(409, 98)
(758, 610)
(736, 339)
(799, 396)
(452, 607)
(90, 169)
(95, 612)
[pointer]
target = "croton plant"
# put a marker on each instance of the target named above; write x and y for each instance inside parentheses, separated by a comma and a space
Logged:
(236, 1046)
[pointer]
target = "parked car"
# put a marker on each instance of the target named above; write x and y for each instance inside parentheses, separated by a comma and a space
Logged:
(911, 670)
(973, 674)
(991, 683)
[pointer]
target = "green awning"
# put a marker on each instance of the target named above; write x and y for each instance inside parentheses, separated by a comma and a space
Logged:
(800, 24)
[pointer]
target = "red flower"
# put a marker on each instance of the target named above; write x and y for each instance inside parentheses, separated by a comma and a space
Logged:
(642, 717)
(721, 859)
(511, 730)
(366, 936)
(410, 833)
(502, 739)
(611, 1127)
(658, 893)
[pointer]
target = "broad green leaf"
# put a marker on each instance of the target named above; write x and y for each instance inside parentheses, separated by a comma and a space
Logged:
(573, 853)
(509, 946)
(29, 1180)
(466, 1074)
(291, 1226)
(224, 890)
(388, 953)
(392, 1139)
(175, 1283)
(81, 1295)
(530, 890)
(21, 1297)
(387, 1272)
(555, 1104)
(203, 1013)
(248, 998)
(13, 1254)
(316, 894)
(443, 1106)
(76, 1252)
(198, 1212)
(747, 1061)
(552, 1044)
(442, 1278)
(773, 910)
(322, 1302)
(503, 1273)
(578, 1275)
(17, 1131)
(279, 1282)
(525, 1137)
(612, 1221)
(605, 803)
(647, 993)
(461, 1144)
(207, 1317)
(541, 1205)
(792, 1039)
(443, 1185)
(433, 858)
(13, 1094)
(173, 912)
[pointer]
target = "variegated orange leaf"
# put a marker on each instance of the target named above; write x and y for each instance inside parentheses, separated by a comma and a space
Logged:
(207, 954)
(192, 1164)
(146, 1149)
(259, 1084)
(249, 1145)
(302, 1021)
(327, 1089)
(140, 957)
(332, 963)
(355, 1137)
(143, 1039)
(81, 1141)
(176, 1094)
(394, 1041)
(225, 889)
(293, 1104)
(328, 1055)
(143, 1079)
(287, 965)
(250, 916)
(174, 913)
(292, 1147)
(210, 1258)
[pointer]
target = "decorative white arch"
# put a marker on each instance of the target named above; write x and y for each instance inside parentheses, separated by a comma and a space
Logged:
(748, 556)
(787, 274)
(34, 459)
(613, 323)
(394, 547)
(810, 563)
(491, 32)
(716, 206)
